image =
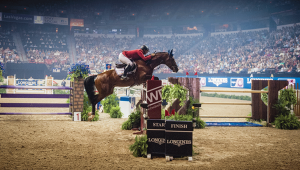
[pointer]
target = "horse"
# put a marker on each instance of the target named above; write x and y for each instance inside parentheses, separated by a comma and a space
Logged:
(106, 81)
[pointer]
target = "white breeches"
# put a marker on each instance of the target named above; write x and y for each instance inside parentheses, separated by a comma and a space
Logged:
(125, 60)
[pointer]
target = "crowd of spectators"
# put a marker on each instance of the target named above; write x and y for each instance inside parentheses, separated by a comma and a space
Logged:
(245, 52)
(52, 58)
(48, 48)
(8, 52)
(99, 51)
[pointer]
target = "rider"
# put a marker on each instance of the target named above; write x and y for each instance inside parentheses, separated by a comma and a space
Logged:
(125, 57)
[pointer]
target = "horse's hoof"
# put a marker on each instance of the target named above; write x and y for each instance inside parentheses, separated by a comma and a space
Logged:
(91, 117)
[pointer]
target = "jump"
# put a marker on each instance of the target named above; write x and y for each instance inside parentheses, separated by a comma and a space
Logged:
(106, 82)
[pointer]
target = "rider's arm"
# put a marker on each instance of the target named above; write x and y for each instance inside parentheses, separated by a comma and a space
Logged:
(145, 58)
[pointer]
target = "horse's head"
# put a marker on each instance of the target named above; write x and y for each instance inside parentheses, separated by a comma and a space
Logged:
(167, 59)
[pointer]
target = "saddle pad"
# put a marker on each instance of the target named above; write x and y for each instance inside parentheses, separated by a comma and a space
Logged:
(119, 71)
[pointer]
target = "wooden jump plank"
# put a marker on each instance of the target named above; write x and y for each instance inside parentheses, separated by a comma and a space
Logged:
(34, 104)
(206, 116)
(234, 91)
(68, 113)
(35, 87)
(34, 95)
(227, 103)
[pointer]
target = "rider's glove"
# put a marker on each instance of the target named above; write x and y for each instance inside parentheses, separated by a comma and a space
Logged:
(148, 62)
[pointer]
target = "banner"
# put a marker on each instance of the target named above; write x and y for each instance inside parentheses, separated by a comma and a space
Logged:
(0, 16)
(108, 66)
(56, 70)
(56, 20)
(38, 19)
(76, 23)
(17, 18)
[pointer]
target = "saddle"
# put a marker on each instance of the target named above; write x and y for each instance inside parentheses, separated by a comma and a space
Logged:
(121, 67)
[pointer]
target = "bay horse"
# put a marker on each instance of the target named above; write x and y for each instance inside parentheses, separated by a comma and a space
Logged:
(106, 81)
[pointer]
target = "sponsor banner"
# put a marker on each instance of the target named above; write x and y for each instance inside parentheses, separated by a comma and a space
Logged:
(76, 23)
(154, 98)
(56, 20)
(108, 66)
(237, 82)
(56, 70)
(38, 19)
(217, 81)
(0, 16)
(202, 81)
(17, 18)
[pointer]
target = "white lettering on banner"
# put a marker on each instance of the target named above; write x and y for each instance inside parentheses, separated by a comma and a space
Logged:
(217, 81)
(16, 17)
(157, 94)
(174, 126)
(55, 20)
(249, 79)
(179, 142)
(159, 141)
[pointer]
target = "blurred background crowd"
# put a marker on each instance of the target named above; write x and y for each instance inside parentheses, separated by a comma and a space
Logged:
(228, 47)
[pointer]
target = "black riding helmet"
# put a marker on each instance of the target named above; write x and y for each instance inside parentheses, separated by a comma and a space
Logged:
(144, 47)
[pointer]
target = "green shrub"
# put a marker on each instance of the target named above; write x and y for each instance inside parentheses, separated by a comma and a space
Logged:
(176, 92)
(87, 107)
(134, 120)
(190, 110)
(287, 122)
(127, 125)
(109, 102)
(139, 148)
(200, 124)
(115, 112)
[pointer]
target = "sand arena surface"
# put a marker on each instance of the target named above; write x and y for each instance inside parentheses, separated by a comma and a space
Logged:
(56, 142)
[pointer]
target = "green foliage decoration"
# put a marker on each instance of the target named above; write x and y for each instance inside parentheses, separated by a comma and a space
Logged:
(126, 125)
(139, 148)
(134, 120)
(115, 112)
(166, 92)
(287, 122)
(109, 102)
(200, 124)
(176, 92)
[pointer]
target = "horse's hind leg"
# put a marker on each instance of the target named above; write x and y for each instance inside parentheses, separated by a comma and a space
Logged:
(103, 92)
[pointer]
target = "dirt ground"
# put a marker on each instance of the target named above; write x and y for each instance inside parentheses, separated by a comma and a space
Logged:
(56, 142)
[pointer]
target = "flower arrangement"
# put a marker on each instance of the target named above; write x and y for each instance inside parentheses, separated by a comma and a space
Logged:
(78, 70)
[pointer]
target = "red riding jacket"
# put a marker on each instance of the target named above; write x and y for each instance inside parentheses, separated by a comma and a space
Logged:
(136, 54)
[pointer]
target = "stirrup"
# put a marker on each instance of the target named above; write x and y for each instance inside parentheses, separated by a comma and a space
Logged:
(124, 77)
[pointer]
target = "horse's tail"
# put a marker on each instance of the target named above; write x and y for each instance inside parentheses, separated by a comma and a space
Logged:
(89, 83)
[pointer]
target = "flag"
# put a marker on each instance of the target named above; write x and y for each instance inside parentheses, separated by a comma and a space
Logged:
(187, 73)
(173, 112)
(196, 74)
(167, 113)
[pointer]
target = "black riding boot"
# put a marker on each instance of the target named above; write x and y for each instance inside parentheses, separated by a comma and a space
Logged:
(124, 76)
